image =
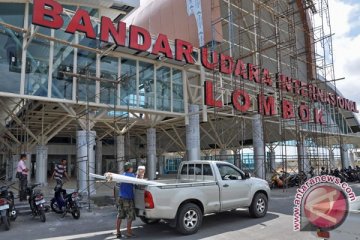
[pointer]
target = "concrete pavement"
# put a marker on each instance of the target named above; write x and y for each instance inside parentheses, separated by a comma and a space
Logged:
(99, 224)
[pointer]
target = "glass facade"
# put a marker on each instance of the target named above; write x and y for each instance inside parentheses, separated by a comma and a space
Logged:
(109, 89)
(146, 85)
(63, 63)
(60, 69)
(11, 50)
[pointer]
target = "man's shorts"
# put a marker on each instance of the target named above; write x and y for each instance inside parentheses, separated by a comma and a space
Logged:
(126, 209)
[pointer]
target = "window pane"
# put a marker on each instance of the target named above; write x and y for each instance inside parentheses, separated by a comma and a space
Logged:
(11, 47)
(87, 67)
(184, 169)
(12, 13)
(146, 85)
(37, 65)
(178, 94)
(109, 71)
(10, 60)
(163, 89)
(207, 170)
(128, 82)
(62, 84)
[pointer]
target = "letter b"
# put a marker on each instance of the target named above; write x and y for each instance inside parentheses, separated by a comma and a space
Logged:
(45, 17)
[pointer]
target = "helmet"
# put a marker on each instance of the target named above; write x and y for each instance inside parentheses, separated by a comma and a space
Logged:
(127, 166)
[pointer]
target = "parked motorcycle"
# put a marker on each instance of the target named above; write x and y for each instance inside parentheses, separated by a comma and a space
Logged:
(64, 203)
(276, 181)
(9, 195)
(36, 201)
(7, 206)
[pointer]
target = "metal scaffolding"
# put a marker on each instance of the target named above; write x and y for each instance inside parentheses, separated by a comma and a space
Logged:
(291, 37)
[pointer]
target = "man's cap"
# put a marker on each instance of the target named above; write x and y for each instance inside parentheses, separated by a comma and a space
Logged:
(127, 166)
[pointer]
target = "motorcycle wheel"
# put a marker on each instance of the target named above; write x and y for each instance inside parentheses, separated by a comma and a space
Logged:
(42, 215)
(6, 222)
(13, 217)
(54, 206)
(76, 213)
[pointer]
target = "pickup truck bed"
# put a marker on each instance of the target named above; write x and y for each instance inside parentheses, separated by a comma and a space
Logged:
(201, 187)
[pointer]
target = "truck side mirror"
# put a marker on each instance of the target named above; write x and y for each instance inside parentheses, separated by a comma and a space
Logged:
(247, 175)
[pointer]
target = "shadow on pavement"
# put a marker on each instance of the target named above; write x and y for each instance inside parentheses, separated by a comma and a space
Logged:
(212, 225)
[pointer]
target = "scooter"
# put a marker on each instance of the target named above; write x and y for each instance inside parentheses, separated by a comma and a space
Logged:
(7, 206)
(9, 195)
(5, 213)
(63, 203)
(36, 201)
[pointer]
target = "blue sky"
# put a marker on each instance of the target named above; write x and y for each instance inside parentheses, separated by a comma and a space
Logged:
(345, 22)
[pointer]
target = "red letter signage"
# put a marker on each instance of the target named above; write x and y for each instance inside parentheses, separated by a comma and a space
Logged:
(41, 13)
(205, 59)
(183, 49)
(287, 109)
(318, 116)
(304, 112)
(162, 46)
(135, 32)
(226, 64)
(108, 28)
(81, 22)
(266, 105)
(241, 100)
(209, 96)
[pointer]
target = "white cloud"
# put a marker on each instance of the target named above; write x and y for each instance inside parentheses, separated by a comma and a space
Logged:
(346, 46)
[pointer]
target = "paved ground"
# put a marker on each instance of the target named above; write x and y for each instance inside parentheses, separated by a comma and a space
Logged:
(99, 224)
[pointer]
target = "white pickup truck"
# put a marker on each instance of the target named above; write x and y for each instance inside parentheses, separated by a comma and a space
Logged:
(201, 187)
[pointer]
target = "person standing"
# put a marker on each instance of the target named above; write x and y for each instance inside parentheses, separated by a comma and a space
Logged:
(60, 172)
(22, 172)
(126, 207)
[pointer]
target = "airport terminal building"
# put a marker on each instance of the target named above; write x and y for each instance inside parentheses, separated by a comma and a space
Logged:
(100, 83)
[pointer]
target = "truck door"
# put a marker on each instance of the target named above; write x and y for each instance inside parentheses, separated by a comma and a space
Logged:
(234, 188)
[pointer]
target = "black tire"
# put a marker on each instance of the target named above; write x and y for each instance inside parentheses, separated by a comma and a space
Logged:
(189, 219)
(259, 206)
(76, 214)
(42, 215)
(13, 217)
(149, 221)
(54, 207)
(6, 222)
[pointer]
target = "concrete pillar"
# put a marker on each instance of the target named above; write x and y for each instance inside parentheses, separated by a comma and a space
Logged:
(259, 146)
(223, 154)
(69, 163)
(352, 159)
(344, 155)
(193, 134)
(41, 164)
(272, 156)
(28, 165)
(332, 162)
(120, 153)
(161, 165)
(304, 163)
(238, 160)
(98, 157)
(85, 141)
(151, 153)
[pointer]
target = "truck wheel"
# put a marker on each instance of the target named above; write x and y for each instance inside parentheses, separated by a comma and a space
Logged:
(259, 206)
(189, 219)
(149, 221)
